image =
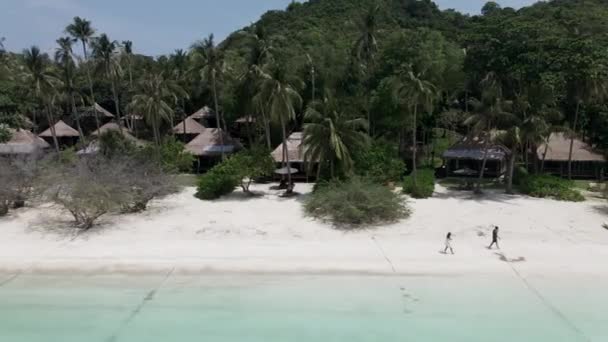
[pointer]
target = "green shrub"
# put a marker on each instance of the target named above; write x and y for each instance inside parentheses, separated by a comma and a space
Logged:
(238, 170)
(248, 165)
(5, 133)
(425, 184)
(171, 155)
(550, 186)
(519, 174)
(379, 163)
(355, 202)
(219, 181)
(113, 143)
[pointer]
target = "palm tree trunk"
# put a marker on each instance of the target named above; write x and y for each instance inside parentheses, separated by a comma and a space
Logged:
(77, 118)
(116, 104)
(217, 113)
(414, 147)
(542, 164)
(90, 82)
(286, 154)
(483, 163)
(267, 130)
(578, 107)
(511, 171)
(49, 118)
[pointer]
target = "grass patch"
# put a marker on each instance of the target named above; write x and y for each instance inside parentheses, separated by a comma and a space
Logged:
(356, 202)
(543, 186)
(425, 184)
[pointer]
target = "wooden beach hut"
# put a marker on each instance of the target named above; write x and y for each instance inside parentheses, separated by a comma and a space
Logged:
(587, 163)
(465, 158)
(295, 150)
(66, 135)
(206, 117)
(188, 129)
(208, 147)
(23, 142)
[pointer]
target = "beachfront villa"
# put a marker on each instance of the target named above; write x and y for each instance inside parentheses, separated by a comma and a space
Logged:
(66, 135)
(209, 146)
(464, 159)
(587, 163)
(188, 129)
(295, 151)
(23, 142)
(205, 116)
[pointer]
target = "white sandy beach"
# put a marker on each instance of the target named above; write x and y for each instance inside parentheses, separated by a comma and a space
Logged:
(270, 234)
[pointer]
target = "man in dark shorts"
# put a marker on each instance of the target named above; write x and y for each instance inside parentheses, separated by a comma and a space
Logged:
(494, 238)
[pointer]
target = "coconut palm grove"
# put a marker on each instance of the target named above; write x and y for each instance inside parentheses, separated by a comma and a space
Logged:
(383, 92)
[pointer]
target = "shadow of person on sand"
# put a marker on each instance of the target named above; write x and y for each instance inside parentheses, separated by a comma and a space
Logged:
(502, 257)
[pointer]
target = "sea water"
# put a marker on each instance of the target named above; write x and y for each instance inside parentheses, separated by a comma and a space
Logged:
(230, 308)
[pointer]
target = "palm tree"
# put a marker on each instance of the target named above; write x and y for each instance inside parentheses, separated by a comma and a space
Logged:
(260, 54)
(278, 92)
(209, 61)
(179, 73)
(155, 100)
(487, 115)
(39, 76)
(107, 57)
(366, 48)
(329, 136)
(413, 91)
(588, 88)
(127, 46)
(82, 30)
(64, 56)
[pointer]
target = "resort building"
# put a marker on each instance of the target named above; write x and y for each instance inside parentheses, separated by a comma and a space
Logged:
(209, 146)
(465, 158)
(586, 162)
(295, 150)
(188, 129)
(23, 142)
(205, 116)
(66, 135)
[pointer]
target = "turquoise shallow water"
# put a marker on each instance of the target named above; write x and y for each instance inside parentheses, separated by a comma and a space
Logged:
(301, 308)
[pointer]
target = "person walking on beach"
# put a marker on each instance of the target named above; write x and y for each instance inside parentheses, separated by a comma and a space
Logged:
(494, 238)
(448, 244)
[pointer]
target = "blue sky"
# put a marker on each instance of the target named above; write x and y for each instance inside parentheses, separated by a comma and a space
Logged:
(155, 26)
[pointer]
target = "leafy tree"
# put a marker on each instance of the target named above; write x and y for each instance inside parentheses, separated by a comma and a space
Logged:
(43, 83)
(488, 114)
(155, 98)
(82, 30)
(413, 91)
(105, 52)
(278, 91)
(330, 137)
(64, 56)
(209, 61)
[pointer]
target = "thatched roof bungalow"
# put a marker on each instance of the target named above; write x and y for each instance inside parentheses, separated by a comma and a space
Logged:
(66, 135)
(465, 158)
(208, 147)
(23, 142)
(587, 163)
(295, 149)
(189, 129)
(203, 113)
(62, 130)
(205, 116)
(209, 143)
(96, 110)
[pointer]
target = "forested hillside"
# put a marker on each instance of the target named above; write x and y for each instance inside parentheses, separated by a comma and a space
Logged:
(403, 66)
